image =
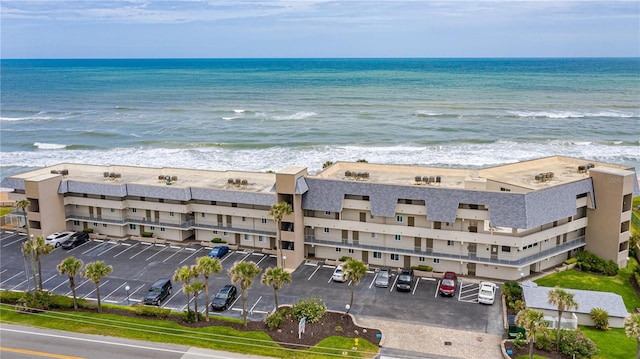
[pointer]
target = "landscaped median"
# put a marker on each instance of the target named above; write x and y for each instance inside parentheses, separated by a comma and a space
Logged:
(218, 337)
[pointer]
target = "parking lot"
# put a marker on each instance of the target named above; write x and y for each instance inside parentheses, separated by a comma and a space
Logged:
(137, 265)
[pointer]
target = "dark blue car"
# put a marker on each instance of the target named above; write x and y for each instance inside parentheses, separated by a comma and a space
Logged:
(218, 251)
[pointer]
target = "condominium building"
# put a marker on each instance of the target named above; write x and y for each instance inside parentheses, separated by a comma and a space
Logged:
(499, 222)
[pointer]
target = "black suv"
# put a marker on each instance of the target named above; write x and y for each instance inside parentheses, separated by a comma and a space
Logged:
(75, 240)
(405, 280)
(158, 292)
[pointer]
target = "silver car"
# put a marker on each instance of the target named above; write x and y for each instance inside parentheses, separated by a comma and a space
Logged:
(382, 278)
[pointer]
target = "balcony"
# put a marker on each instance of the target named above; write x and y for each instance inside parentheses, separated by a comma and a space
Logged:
(471, 258)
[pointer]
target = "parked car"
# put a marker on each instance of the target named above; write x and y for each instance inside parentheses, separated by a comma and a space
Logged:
(158, 292)
(75, 240)
(225, 296)
(487, 292)
(405, 280)
(338, 274)
(218, 251)
(56, 239)
(448, 284)
(382, 278)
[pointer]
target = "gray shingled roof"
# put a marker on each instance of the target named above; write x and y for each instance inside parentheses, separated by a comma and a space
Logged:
(536, 297)
(506, 209)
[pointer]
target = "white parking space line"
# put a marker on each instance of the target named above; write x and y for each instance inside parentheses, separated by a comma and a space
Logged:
(415, 286)
(261, 259)
(78, 287)
(142, 251)
(192, 254)
(115, 290)
(53, 276)
(394, 283)
(435, 295)
(3, 271)
(60, 285)
(171, 256)
(126, 249)
(28, 282)
(314, 272)
(114, 245)
(175, 292)
(468, 293)
(10, 243)
(245, 257)
(101, 284)
(10, 278)
(158, 252)
(254, 305)
(96, 247)
(373, 280)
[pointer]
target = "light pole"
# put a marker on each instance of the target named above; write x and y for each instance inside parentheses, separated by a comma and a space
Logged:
(127, 289)
(521, 277)
(284, 262)
(347, 307)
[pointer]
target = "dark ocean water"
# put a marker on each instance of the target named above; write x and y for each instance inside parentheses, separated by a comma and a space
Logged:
(265, 114)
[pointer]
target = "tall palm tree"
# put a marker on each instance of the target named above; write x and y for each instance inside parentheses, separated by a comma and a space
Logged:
(277, 211)
(632, 329)
(244, 272)
(95, 271)
(185, 274)
(24, 204)
(196, 289)
(36, 248)
(531, 320)
(71, 266)
(354, 270)
(207, 266)
(564, 301)
(275, 277)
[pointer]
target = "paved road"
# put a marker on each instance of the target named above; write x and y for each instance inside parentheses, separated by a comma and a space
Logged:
(45, 343)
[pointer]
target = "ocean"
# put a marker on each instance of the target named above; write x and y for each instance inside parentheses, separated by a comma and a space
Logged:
(265, 114)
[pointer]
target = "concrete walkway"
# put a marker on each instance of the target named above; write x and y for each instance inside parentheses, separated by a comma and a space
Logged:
(410, 340)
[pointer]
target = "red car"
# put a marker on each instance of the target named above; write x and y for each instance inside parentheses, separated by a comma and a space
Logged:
(448, 284)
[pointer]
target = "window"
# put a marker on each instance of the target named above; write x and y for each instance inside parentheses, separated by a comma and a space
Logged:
(152, 228)
(215, 232)
(134, 210)
(372, 216)
(327, 213)
(436, 260)
(77, 206)
(395, 257)
(351, 251)
(104, 225)
(261, 238)
(225, 233)
(113, 210)
(325, 230)
(338, 249)
(398, 237)
(421, 259)
(95, 224)
(264, 220)
(506, 249)
(374, 235)
(247, 237)
(450, 243)
(132, 226)
(162, 229)
(377, 255)
(244, 219)
(76, 223)
(624, 226)
(204, 214)
(504, 189)
(171, 214)
(399, 219)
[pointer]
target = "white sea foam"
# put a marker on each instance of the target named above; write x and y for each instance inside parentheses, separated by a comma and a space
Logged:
(571, 114)
(239, 111)
(296, 116)
(230, 118)
(37, 118)
(49, 146)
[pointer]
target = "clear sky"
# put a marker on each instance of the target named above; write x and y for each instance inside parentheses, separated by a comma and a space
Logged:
(318, 28)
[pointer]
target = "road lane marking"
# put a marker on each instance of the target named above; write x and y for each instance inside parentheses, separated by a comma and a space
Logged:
(40, 354)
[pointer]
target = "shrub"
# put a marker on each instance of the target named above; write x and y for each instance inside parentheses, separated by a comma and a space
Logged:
(217, 240)
(311, 308)
(574, 342)
(151, 311)
(571, 261)
(339, 329)
(423, 267)
(519, 341)
(88, 230)
(589, 262)
(513, 293)
(147, 234)
(275, 319)
(600, 318)
(8, 297)
(344, 258)
(37, 300)
(189, 316)
(544, 339)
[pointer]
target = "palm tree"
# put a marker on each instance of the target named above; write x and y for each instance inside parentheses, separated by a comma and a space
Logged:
(95, 271)
(632, 329)
(207, 266)
(564, 301)
(185, 274)
(244, 272)
(531, 320)
(37, 247)
(354, 270)
(24, 204)
(277, 211)
(196, 289)
(276, 277)
(71, 267)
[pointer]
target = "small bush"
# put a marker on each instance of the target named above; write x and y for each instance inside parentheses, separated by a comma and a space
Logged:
(339, 329)
(423, 267)
(275, 320)
(217, 240)
(39, 300)
(519, 341)
(312, 308)
(589, 262)
(571, 261)
(574, 342)
(151, 311)
(600, 318)
(11, 297)
(344, 258)
(544, 339)
(88, 230)
(189, 316)
(147, 234)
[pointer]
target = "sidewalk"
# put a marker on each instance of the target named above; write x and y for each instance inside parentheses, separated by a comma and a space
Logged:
(411, 340)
